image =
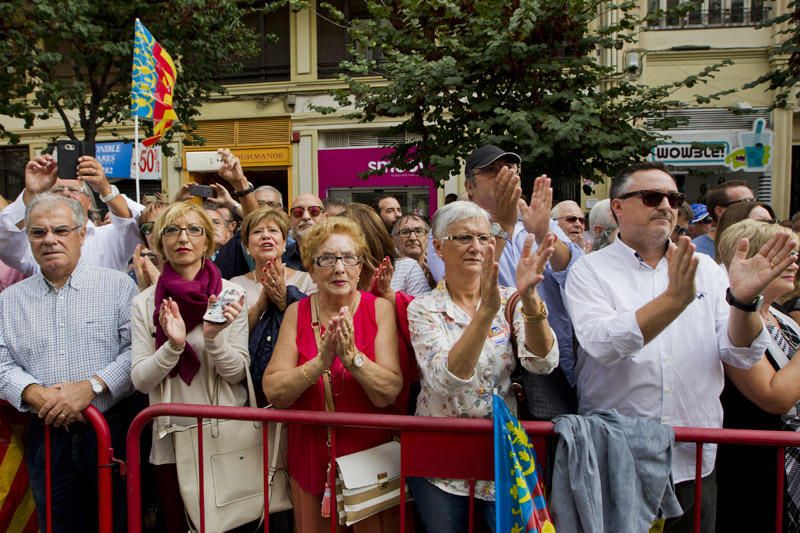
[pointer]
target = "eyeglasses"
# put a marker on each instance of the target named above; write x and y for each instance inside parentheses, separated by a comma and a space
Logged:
(72, 189)
(274, 205)
(172, 231)
(740, 201)
(495, 168)
(681, 231)
(313, 210)
(328, 261)
(706, 220)
(652, 198)
(571, 219)
(406, 232)
(37, 234)
(146, 227)
(465, 239)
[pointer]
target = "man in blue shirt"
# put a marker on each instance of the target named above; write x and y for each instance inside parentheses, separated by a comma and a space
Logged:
(718, 199)
(65, 343)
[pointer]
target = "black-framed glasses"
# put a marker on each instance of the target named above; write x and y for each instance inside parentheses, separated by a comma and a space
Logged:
(680, 231)
(571, 219)
(406, 232)
(465, 239)
(706, 220)
(328, 261)
(653, 198)
(146, 227)
(193, 230)
(740, 201)
(313, 210)
(37, 234)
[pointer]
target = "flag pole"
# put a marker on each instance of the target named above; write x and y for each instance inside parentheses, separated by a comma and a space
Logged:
(136, 155)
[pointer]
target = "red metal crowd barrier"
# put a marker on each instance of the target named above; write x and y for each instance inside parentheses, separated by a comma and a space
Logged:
(105, 461)
(430, 447)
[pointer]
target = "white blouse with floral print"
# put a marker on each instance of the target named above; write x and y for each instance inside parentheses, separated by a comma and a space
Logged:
(436, 323)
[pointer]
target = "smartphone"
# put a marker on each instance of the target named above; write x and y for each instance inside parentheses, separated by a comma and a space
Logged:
(67, 154)
(201, 191)
(214, 313)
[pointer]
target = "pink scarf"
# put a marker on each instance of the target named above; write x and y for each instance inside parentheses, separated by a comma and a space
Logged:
(192, 299)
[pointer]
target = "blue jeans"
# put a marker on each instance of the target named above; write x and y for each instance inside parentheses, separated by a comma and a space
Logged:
(442, 512)
(73, 470)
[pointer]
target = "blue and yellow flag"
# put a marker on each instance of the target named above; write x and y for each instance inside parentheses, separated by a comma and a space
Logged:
(153, 83)
(520, 506)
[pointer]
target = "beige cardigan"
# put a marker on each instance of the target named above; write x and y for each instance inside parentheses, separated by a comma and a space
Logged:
(227, 355)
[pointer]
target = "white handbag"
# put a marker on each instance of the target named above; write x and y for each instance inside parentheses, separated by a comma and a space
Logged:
(368, 482)
(233, 469)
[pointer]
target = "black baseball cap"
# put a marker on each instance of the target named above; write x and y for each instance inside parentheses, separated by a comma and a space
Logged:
(486, 155)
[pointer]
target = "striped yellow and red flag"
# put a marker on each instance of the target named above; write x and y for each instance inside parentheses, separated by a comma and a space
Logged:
(17, 510)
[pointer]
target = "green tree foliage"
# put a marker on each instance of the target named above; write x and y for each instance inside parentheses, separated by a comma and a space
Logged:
(522, 74)
(72, 58)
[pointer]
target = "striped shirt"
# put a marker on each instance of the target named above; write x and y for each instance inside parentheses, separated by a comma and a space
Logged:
(49, 336)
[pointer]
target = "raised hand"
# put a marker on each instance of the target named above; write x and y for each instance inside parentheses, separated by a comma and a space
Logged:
(381, 283)
(91, 171)
(221, 197)
(146, 272)
(274, 282)
(330, 341)
(183, 193)
(231, 169)
(749, 277)
(230, 312)
(507, 196)
(171, 321)
(490, 290)
(531, 266)
(40, 174)
(536, 216)
(681, 269)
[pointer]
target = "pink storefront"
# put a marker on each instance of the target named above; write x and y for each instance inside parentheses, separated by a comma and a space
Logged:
(339, 170)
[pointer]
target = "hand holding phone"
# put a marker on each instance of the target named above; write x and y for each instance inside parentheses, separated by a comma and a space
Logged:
(68, 152)
(201, 191)
(214, 314)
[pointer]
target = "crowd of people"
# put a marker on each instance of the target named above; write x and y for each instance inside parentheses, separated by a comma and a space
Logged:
(367, 309)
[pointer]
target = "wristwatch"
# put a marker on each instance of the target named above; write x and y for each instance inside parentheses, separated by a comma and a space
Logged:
(750, 307)
(110, 196)
(358, 360)
(497, 231)
(97, 387)
(250, 188)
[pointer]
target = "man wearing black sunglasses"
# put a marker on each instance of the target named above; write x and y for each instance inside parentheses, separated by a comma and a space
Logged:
(655, 320)
(718, 199)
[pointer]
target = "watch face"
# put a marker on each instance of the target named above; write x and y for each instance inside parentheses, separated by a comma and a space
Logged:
(358, 361)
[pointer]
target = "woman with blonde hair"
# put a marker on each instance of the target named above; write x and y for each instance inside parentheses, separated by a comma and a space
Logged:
(765, 396)
(344, 336)
(176, 356)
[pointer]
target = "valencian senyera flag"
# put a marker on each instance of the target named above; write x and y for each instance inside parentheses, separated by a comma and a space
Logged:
(153, 83)
(520, 506)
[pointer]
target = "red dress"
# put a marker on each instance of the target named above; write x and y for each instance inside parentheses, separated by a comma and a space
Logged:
(307, 457)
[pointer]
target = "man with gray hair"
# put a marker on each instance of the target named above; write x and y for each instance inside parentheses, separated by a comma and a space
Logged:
(110, 245)
(602, 225)
(65, 343)
(570, 218)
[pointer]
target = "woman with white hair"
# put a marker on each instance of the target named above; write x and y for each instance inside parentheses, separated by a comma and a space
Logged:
(463, 344)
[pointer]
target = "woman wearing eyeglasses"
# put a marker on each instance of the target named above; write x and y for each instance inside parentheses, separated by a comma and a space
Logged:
(177, 356)
(765, 396)
(352, 344)
(463, 345)
(271, 287)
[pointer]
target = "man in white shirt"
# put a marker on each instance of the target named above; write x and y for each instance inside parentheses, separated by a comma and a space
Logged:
(654, 324)
(109, 246)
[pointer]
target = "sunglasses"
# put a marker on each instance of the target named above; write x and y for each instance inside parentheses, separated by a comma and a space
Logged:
(652, 198)
(571, 219)
(681, 231)
(146, 228)
(314, 211)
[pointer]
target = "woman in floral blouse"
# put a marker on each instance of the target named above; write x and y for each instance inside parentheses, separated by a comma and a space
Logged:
(463, 347)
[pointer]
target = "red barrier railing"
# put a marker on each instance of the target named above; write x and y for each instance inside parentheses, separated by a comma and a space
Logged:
(428, 448)
(105, 460)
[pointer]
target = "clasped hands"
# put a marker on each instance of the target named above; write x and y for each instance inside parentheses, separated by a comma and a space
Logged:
(339, 340)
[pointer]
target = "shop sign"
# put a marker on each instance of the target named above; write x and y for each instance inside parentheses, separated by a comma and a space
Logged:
(209, 161)
(744, 150)
(117, 160)
(349, 163)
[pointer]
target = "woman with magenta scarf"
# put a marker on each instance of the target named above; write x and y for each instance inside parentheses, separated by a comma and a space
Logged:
(176, 356)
